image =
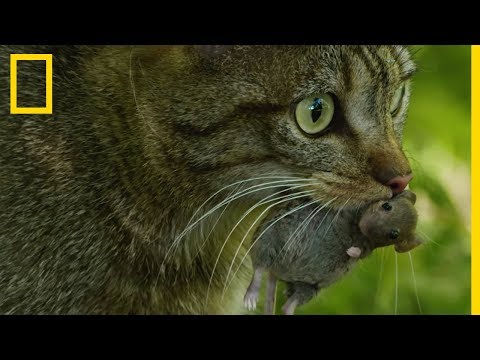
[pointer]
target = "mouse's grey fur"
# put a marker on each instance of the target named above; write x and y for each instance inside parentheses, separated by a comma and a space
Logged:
(328, 246)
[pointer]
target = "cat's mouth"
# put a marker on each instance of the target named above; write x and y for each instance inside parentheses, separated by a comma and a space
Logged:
(347, 192)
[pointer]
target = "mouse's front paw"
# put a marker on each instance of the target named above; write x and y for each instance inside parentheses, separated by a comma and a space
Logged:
(354, 252)
(250, 300)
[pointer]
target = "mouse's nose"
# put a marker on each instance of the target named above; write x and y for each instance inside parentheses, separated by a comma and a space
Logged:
(399, 183)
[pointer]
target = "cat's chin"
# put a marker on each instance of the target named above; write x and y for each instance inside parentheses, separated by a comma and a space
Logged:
(340, 192)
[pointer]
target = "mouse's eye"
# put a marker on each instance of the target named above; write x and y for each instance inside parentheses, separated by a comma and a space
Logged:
(393, 234)
(386, 206)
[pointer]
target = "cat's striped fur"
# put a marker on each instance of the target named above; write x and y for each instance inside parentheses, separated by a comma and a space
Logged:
(93, 196)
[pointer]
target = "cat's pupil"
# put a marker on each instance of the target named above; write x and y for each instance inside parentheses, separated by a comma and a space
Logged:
(316, 109)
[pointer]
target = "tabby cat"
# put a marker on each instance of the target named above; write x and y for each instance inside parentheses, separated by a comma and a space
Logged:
(158, 163)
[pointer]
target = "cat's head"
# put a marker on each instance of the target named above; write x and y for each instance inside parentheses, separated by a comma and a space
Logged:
(331, 114)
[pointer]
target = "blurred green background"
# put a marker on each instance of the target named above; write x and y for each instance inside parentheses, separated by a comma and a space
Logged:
(437, 143)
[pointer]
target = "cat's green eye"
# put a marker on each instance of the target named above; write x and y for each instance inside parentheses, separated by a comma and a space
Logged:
(397, 99)
(315, 113)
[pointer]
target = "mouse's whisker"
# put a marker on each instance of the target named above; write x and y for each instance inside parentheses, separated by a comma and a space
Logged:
(380, 277)
(396, 284)
(415, 282)
(430, 240)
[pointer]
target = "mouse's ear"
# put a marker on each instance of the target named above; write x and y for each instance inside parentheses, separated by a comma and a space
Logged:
(409, 195)
(212, 51)
(418, 240)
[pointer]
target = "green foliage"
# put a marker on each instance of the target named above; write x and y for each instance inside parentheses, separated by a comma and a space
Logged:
(437, 142)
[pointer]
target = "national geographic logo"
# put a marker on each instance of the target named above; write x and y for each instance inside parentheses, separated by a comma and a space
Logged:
(14, 58)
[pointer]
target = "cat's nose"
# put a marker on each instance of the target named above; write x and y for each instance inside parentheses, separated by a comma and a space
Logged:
(399, 183)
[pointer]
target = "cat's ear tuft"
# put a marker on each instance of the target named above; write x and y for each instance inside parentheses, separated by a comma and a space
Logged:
(212, 51)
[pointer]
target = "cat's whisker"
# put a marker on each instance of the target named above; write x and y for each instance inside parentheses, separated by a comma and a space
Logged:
(292, 178)
(396, 283)
(358, 209)
(253, 224)
(336, 216)
(304, 224)
(229, 200)
(257, 239)
(174, 246)
(315, 231)
(271, 176)
(259, 187)
(321, 222)
(214, 225)
(289, 197)
(242, 193)
(321, 208)
(319, 225)
(415, 282)
(304, 229)
(263, 201)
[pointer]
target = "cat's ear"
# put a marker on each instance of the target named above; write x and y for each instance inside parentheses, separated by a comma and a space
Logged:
(212, 51)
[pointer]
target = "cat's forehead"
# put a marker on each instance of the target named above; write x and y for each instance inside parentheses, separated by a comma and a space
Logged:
(298, 71)
(348, 68)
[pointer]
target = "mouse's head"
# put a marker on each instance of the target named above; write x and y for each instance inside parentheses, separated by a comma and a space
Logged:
(392, 222)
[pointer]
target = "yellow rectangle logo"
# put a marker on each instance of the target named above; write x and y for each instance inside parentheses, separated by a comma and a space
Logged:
(14, 109)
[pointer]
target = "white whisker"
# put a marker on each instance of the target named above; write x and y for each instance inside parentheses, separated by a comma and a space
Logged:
(430, 240)
(214, 225)
(258, 218)
(415, 283)
(240, 194)
(260, 187)
(288, 197)
(304, 224)
(335, 217)
(238, 183)
(396, 283)
(321, 208)
(380, 276)
(321, 222)
(261, 234)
